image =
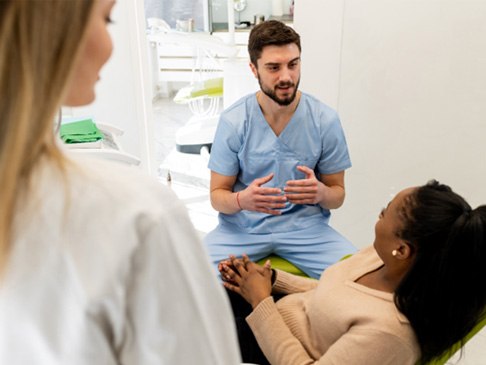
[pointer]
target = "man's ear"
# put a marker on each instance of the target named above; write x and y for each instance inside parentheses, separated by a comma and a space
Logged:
(254, 70)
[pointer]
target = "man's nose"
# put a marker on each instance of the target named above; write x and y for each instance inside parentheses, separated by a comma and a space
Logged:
(285, 74)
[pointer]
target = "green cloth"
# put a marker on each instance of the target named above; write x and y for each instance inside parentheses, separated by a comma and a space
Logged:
(80, 132)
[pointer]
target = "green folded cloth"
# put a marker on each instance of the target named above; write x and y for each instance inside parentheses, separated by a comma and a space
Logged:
(80, 132)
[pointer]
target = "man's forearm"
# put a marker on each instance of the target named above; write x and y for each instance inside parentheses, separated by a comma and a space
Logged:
(333, 197)
(225, 201)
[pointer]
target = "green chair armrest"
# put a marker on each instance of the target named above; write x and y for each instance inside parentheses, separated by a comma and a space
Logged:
(282, 264)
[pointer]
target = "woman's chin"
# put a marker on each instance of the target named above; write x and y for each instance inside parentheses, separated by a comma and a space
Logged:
(79, 100)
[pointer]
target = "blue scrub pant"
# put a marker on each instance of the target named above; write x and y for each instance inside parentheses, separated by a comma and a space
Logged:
(312, 249)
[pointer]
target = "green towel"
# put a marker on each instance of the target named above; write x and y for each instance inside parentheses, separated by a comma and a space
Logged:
(80, 132)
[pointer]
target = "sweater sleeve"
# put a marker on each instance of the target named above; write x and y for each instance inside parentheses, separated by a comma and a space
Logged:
(286, 283)
(369, 347)
(355, 347)
(274, 337)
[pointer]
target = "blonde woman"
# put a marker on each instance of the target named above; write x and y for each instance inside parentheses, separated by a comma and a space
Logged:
(98, 264)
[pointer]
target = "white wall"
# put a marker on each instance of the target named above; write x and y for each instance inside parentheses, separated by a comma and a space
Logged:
(123, 96)
(407, 78)
(319, 24)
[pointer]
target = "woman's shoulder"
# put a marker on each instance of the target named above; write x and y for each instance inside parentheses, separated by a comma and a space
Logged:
(109, 185)
(119, 208)
(365, 259)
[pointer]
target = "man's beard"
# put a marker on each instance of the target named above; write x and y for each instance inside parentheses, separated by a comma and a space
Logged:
(273, 95)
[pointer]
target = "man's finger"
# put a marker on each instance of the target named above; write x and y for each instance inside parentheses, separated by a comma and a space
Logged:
(263, 180)
(268, 211)
(307, 171)
(303, 183)
(270, 191)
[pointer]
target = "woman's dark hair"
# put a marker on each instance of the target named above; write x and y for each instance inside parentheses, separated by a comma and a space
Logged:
(440, 294)
(270, 33)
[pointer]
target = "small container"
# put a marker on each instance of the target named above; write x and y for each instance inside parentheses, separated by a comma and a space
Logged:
(258, 19)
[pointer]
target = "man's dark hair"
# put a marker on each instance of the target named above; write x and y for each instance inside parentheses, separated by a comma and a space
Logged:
(270, 33)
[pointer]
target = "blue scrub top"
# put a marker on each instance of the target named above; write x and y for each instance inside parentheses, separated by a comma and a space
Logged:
(245, 146)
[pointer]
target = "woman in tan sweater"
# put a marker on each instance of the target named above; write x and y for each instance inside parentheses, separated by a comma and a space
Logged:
(402, 301)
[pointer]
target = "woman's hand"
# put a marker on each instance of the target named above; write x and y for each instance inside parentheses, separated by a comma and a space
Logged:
(223, 268)
(250, 280)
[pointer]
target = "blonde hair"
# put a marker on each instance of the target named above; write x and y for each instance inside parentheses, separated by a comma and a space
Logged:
(39, 43)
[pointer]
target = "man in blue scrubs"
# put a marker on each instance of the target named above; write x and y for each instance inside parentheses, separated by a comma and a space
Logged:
(277, 164)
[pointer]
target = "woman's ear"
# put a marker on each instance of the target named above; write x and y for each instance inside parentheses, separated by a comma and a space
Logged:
(404, 251)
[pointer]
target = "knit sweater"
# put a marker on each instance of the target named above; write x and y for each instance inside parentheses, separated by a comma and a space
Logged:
(334, 320)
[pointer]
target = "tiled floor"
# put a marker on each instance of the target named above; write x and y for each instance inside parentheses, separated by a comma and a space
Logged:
(168, 117)
(190, 181)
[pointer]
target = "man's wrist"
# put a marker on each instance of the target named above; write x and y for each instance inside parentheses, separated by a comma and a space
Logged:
(238, 200)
